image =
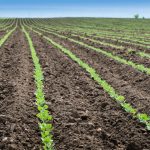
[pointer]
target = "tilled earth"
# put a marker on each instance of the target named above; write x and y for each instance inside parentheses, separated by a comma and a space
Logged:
(128, 45)
(18, 123)
(2, 33)
(134, 85)
(124, 53)
(85, 117)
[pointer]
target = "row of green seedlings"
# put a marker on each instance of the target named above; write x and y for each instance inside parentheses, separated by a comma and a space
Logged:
(142, 117)
(137, 41)
(7, 26)
(5, 21)
(130, 51)
(139, 67)
(129, 39)
(83, 25)
(6, 36)
(43, 115)
(121, 41)
(3, 25)
(73, 34)
(90, 34)
(71, 27)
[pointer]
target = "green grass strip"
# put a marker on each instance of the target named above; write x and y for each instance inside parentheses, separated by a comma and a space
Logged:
(6, 36)
(139, 67)
(143, 118)
(43, 115)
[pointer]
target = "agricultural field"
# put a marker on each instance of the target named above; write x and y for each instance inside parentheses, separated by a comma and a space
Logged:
(74, 84)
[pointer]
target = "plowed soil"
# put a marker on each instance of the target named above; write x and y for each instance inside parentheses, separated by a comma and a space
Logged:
(128, 45)
(18, 123)
(2, 34)
(122, 53)
(134, 85)
(85, 117)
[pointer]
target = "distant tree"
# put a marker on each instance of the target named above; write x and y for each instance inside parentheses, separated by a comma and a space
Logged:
(143, 18)
(136, 16)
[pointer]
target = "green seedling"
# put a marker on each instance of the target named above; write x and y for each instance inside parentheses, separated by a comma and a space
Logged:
(120, 98)
(46, 135)
(128, 108)
(44, 115)
(143, 117)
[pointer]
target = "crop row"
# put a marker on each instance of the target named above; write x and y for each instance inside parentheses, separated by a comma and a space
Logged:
(119, 40)
(133, 38)
(100, 24)
(6, 36)
(140, 53)
(101, 32)
(7, 25)
(43, 114)
(104, 43)
(143, 118)
(129, 50)
(139, 67)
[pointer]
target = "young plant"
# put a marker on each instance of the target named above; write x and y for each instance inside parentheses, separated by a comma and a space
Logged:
(143, 118)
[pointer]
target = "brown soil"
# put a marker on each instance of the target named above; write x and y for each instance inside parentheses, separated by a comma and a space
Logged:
(137, 42)
(122, 53)
(2, 33)
(85, 117)
(134, 85)
(18, 123)
(130, 45)
(111, 41)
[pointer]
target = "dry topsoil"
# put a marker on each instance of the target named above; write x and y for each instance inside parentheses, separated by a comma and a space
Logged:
(85, 117)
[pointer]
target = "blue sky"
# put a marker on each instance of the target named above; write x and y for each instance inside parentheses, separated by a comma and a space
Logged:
(74, 8)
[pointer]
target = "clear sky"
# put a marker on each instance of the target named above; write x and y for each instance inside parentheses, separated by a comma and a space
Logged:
(74, 8)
